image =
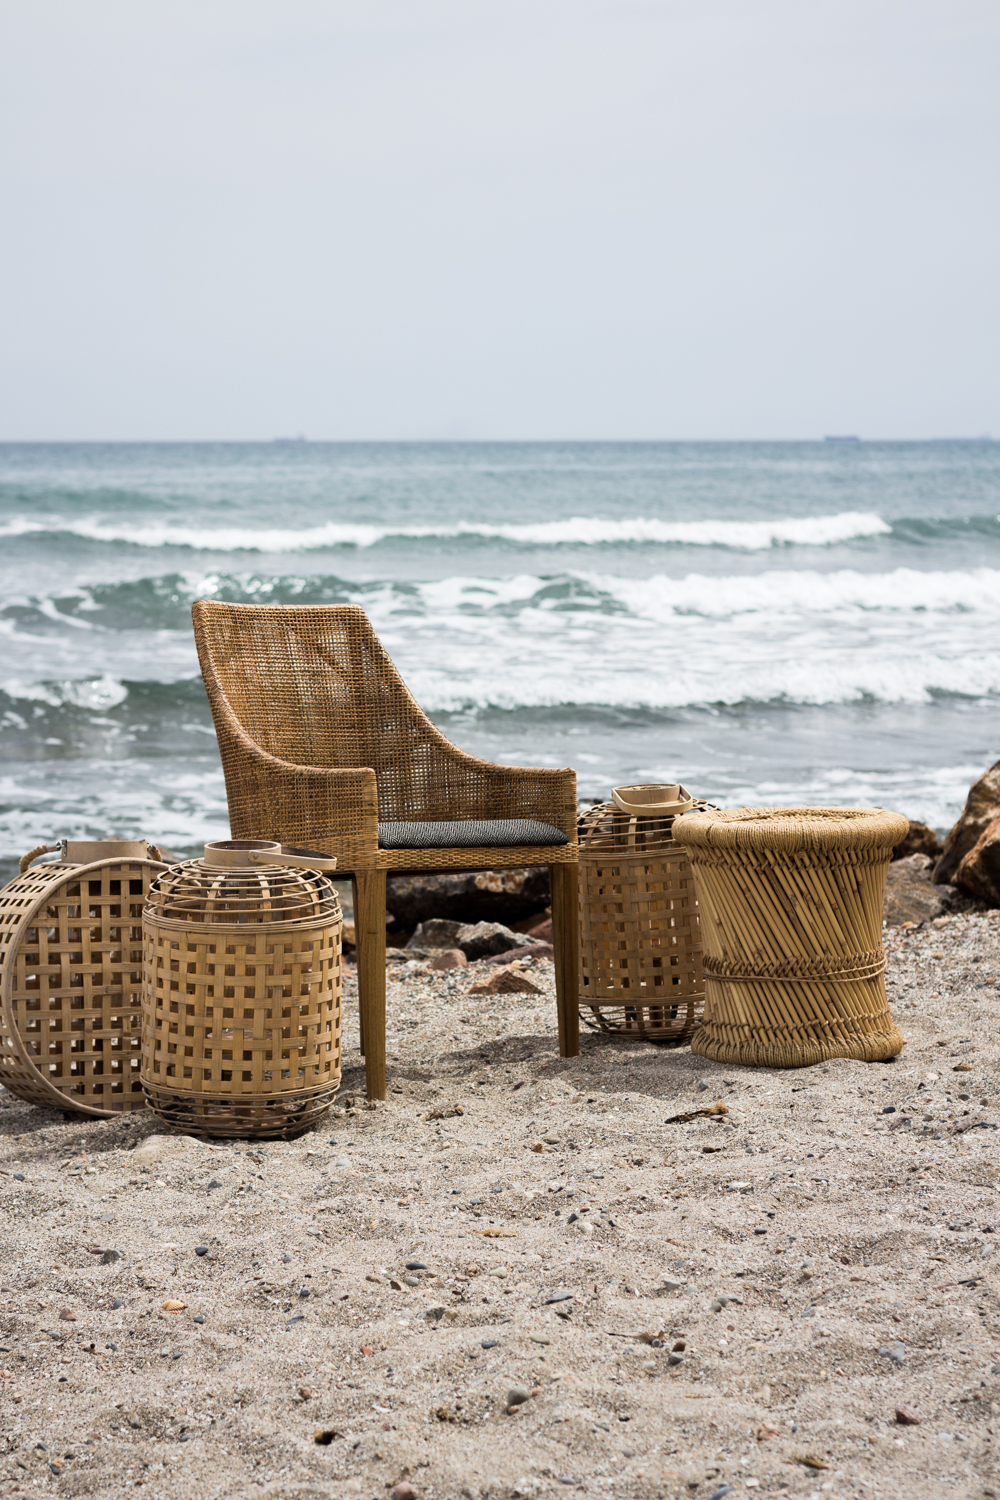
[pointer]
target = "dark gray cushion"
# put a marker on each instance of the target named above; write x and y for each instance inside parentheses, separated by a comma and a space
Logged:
(495, 833)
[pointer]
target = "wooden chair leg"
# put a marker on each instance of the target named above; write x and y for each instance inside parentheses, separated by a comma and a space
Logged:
(369, 926)
(566, 941)
(357, 950)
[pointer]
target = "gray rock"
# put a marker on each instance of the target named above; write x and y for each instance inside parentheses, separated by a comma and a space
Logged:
(910, 895)
(437, 934)
(484, 939)
(517, 1395)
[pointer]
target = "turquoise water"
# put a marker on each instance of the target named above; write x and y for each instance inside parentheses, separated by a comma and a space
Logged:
(767, 622)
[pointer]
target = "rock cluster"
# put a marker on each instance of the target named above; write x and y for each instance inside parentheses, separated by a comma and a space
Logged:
(468, 897)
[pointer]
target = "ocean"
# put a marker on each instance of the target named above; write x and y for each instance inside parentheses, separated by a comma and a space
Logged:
(765, 622)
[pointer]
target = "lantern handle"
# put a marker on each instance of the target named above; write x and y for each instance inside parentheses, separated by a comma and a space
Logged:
(301, 859)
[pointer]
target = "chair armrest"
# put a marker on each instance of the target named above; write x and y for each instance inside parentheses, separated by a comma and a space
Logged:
(331, 809)
(466, 787)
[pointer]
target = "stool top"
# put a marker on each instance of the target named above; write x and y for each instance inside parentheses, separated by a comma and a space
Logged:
(792, 829)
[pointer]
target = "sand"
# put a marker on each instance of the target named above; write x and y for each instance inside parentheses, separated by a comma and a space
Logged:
(873, 1285)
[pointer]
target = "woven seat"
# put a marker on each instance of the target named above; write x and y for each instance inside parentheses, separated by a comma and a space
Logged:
(322, 745)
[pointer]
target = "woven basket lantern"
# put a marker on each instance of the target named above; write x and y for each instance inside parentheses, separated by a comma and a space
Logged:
(640, 935)
(241, 991)
(791, 908)
(71, 975)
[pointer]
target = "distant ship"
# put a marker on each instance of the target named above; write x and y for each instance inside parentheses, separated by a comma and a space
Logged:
(845, 437)
(300, 437)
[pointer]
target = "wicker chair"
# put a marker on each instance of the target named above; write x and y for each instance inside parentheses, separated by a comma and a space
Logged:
(323, 747)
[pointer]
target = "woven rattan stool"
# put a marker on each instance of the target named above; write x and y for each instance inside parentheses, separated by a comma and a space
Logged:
(640, 968)
(791, 910)
(241, 991)
(71, 976)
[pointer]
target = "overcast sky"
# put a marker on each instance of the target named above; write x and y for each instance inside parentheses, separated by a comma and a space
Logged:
(498, 218)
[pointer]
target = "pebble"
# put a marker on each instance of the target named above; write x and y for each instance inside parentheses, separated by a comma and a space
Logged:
(201, 1249)
(703, 1085)
(448, 958)
(117, 1303)
(404, 1490)
(559, 1297)
(490, 1344)
(517, 1395)
(18, 1176)
(895, 1352)
(415, 1265)
(110, 1256)
(907, 1417)
(200, 1318)
(539, 1338)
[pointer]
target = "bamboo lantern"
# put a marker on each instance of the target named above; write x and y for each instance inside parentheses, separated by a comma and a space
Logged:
(640, 972)
(241, 991)
(71, 976)
(791, 908)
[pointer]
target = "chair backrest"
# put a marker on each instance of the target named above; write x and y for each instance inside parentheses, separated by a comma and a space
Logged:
(314, 685)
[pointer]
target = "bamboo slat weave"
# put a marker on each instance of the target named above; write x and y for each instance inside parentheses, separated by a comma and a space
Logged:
(241, 998)
(71, 982)
(641, 968)
(791, 906)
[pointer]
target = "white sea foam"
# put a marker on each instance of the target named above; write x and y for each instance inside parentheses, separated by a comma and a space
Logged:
(579, 531)
(798, 636)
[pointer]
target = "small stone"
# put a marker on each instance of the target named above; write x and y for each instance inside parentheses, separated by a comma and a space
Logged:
(907, 1417)
(703, 1085)
(517, 1395)
(214, 1184)
(117, 1303)
(559, 1297)
(415, 1265)
(894, 1352)
(434, 1314)
(200, 1318)
(888, 1109)
(404, 1491)
(18, 1176)
(539, 1338)
(286, 1260)
(67, 1315)
(766, 1430)
(552, 1139)
(305, 1291)
(675, 1357)
(490, 1344)
(448, 958)
(411, 1280)
(110, 1256)
(201, 1249)
(724, 1489)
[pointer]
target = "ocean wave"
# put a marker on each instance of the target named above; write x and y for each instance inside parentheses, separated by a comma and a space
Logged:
(578, 531)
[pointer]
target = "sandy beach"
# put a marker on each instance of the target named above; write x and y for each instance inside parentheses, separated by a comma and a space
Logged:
(821, 1257)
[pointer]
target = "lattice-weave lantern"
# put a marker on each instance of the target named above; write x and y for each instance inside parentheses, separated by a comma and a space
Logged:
(241, 991)
(71, 976)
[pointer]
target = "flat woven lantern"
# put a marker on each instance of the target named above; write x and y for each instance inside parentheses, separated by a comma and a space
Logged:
(241, 991)
(791, 909)
(640, 934)
(71, 975)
